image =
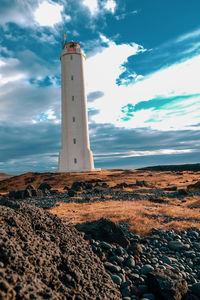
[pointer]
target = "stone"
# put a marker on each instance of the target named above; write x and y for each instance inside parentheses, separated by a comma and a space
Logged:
(71, 193)
(196, 289)
(135, 248)
(167, 284)
(130, 261)
(77, 185)
(175, 245)
(141, 183)
(149, 296)
(146, 269)
(143, 288)
(105, 245)
(194, 187)
(111, 267)
(116, 279)
(44, 186)
(104, 230)
(169, 260)
(118, 259)
(182, 192)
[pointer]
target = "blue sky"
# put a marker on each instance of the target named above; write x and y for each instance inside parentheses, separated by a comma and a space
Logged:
(142, 81)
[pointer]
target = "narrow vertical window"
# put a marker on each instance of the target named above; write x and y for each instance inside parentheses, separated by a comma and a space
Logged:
(74, 140)
(73, 119)
(72, 77)
(72, 98)
(75, 160)
(71, 57)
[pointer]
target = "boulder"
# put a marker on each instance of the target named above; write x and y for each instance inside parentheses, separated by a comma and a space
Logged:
(141, 183)
(77, 185)
(104, 230)
(31, 191)
(167, 284)
(194, 187)
(71, 193)
(18, 195)
(182, 192)
(44, 186)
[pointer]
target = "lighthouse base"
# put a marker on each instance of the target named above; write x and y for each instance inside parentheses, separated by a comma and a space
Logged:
(82, 163)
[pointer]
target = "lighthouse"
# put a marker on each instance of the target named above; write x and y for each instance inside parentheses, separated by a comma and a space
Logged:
(75, 155)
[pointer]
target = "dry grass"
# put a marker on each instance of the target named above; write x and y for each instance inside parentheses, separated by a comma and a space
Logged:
(138, 214)
(141, 215)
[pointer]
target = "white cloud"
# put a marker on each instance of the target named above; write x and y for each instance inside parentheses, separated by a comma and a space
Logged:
(111, 6)
(124, 15)
(48, 13)
(67, 18)
(190, 35)
(92, 5)
(179, 79)
(142, 153)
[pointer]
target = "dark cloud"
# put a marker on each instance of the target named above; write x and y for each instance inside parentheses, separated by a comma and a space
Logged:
(35, 147)
(94, 95)
(92, 113)
(107, 139)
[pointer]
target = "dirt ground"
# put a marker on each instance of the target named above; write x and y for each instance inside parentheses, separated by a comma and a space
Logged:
(154, 179)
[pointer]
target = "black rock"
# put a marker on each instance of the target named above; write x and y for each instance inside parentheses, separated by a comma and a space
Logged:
(44, 186)
(141, 183)
(183, 192)
(77, 185)
(71, 193)
(167, 284)
(88, 186)
(104, 230)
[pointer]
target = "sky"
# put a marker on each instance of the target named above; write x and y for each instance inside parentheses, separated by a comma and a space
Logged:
(142, 77)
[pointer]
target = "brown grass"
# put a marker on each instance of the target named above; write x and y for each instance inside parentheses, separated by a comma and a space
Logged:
(139, 214)
(136, 213)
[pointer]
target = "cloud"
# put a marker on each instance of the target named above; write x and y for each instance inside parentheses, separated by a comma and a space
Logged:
(131, 148)
(48, 13)
(110, 5)
(124, 15)
(92, 5)
(170, 81)
(35, 147)
(18, 12)
(94, 95)
(31, 148)
(189, 35)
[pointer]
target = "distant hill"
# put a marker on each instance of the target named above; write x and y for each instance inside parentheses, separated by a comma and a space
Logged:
(185, 167)
(4, 176)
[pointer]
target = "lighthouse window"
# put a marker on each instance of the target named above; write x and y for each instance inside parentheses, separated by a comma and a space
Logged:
(75, 160)
(74, 140)
(72, 77)
(73, 119)
(72, 98)
(71, 57)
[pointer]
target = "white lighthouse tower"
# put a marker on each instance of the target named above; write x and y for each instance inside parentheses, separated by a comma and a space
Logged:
(75, 155)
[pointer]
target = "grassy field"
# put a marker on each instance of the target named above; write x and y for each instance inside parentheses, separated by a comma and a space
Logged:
(141, 215)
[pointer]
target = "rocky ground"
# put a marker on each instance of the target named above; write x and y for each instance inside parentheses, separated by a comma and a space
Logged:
(43, 257)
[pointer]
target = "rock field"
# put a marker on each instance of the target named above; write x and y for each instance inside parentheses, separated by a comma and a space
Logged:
(43, 257)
